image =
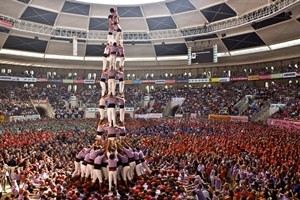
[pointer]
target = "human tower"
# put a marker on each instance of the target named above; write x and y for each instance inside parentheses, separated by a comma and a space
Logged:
(111, 158)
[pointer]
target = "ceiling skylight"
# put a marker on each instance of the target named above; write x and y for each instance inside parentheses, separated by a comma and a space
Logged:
(120, 2)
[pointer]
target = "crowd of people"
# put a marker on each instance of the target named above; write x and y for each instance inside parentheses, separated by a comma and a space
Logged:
(188, 159)
(15, 101)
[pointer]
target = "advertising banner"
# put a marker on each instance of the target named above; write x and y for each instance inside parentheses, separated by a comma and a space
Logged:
(42, 80)
(68, 81)
(1, 118)
(5, 78)
(160, 82)
(55, 80)
(215, 80)
(149, 116)
(265, 77)
(170, 81)
(284, 123)
(23, 79)
(5, 24)
(78, 81)
(136, 82)
(253, 78)
(289, 75)
(198, 80)
(243, 78)
(184, 81)
(229, 118)
(274, 76)
(148, 81)
(89, 81)
(226, 79)
(128, 82)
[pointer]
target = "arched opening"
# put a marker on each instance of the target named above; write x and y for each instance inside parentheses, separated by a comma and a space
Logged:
(173, 110)
(42, 112)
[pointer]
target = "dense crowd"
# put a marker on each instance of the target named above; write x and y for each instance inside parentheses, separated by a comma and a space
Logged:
(188, 159)
(15, 101)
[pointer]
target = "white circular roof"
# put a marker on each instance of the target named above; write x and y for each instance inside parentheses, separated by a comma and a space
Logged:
(121, 2)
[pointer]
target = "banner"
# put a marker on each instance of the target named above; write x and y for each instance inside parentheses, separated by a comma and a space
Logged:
(178, 99)
(284, 123)
(183, 81)
(55, 80)
(222, 80)
(253, 78)
(148, 81)
(289, 75)
(274, 76)
(1, 118)
(136, 82)
(89, 81)
(37, 101)
(24, 118)
(198, 80)
(128, 82)
(41, 80)
(5, 78)
(5, 23)
(229, 118)
(265, 77)
(215, 80)
(68, 81)
(149, 116)
(160, 82)
(243, 78)
(170, 81)
(78, 81)
(22, 79)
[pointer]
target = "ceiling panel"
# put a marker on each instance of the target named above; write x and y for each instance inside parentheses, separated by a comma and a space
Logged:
(179, 6)
(189, 19)
(54, 5)
(155, 10)
(94, 50)
(98, 24)
(101, 11)
(73, 21)
(160, 23)
(76, 8)
(3, 37)
(243, 41)
(24, 1)
(64, 48)
(12, 9)
(170, 49)
(39, 16)
(271, 21)
(130, 11)
(241, 7)
(218, 12)
(139, 50)
(26, 44)
(280, 32)
(136, 24)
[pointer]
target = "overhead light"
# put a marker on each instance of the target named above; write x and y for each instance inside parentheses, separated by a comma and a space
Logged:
(21, 53)
(172, 58)
(121, 2)
(249, 51)
(285, 44)
(225, 54)
(60, 57)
